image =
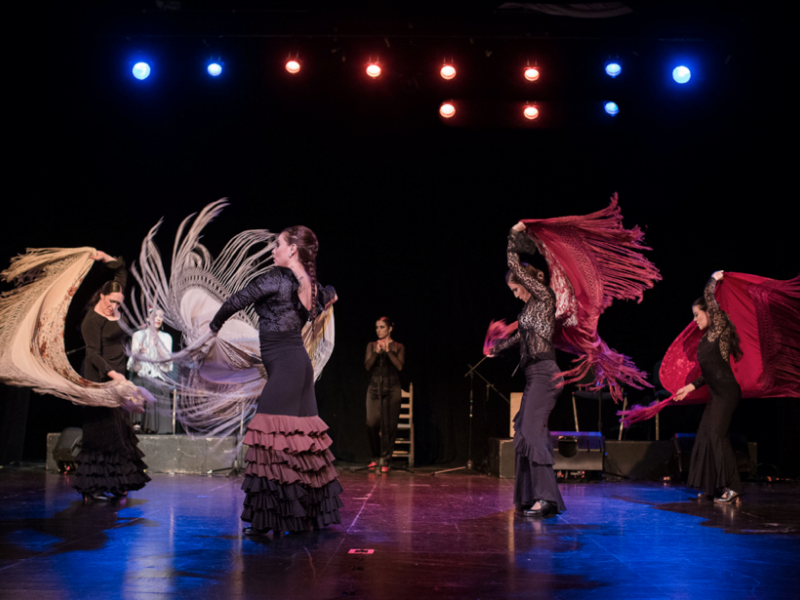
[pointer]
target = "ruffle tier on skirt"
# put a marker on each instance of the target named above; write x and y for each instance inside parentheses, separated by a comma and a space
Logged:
(290, 481)
(112, 472)
(109, 460)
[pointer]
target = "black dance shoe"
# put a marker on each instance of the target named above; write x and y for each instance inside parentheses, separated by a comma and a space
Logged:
(99, 496)
(251, 531)
(546, 509)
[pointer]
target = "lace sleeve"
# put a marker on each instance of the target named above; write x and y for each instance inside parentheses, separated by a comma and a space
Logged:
(717, 320)
(398, 357)
(519, 241)
(264, 286)
(506, 343)
(371, 356)
(699, 382)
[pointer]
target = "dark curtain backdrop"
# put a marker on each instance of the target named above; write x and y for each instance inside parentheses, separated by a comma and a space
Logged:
(412, 215)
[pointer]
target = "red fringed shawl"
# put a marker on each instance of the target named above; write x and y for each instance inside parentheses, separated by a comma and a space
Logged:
(593, 260)
(766, 313)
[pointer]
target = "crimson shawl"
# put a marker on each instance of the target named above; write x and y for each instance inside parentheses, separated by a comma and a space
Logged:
(766, 313)
(593, 260)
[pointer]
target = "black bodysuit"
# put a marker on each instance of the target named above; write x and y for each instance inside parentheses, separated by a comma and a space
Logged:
(384, 397)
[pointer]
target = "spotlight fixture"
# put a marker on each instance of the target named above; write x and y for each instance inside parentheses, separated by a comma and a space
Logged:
(141, 71)
(447, 110)
(613, 69)
(373, 70)
(214, 69)
(531, 73)
(530, 112)
(612, 108)
(293, 66)
(681, 74)
(448, 72)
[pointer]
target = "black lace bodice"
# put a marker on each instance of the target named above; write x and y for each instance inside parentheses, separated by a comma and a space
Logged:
(276, 301)
(537, 321)
(714, 350)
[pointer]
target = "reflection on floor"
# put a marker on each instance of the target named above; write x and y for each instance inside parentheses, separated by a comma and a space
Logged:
(449, 536)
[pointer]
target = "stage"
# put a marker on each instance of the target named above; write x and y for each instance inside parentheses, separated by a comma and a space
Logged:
(402, 536)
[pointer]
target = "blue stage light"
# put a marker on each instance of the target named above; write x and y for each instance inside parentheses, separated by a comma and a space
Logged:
(141, 71)
(612, 108)
(215, 69)
(681, 74)
(613, 69)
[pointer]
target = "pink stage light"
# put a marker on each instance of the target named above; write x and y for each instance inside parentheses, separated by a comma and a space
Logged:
(373, 70)
(448, 72)
(447, 110)
(531, 74)
(530, 112)
(293, 66)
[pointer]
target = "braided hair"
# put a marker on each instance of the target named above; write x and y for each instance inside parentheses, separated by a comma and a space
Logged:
(307, 248)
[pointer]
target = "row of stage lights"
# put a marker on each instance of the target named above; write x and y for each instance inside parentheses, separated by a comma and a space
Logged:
(530, 111)
(681, 74)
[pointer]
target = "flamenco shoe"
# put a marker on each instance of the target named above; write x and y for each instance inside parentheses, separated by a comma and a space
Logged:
(545, 509)
(371, 466)
(385, 469)
(251, 531)
(99, 496)
(121, 494)
(727, 497)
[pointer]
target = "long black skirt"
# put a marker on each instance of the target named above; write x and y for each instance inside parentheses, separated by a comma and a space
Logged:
(290, 482)
(712, 466)
(109, 460)
(535, 478)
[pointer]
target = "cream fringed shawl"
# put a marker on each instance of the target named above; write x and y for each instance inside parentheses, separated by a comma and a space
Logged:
(220, 377)
(32, 317)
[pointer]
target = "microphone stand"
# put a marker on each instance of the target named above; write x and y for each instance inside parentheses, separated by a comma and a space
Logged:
(489, 386)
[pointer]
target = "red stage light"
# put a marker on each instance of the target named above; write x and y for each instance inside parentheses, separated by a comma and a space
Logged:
(373, 70)
(448, 72)
(447, 110)
(293, 66)
(530, 112)
(531, 74)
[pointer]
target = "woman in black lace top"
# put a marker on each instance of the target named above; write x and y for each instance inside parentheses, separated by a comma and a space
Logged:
(536, 491)
(290, 481)
(712, 467)
(384, 361)
(109, 461)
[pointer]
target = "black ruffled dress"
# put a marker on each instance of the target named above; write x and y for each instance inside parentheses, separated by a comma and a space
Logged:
(109, 460)
(290, 481)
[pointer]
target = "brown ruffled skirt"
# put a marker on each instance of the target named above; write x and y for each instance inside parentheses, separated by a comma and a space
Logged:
(290, 481)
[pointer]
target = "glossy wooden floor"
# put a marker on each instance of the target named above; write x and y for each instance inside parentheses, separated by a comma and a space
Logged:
(449, 536)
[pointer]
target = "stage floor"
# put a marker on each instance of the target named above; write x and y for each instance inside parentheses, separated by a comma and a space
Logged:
(449, 536)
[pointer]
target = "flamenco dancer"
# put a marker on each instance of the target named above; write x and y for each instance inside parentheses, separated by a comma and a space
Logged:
(290, 481)
(384, 361)
(536, 491)
(712, 467)
(592, 260)
(109, 461)
(710, 362)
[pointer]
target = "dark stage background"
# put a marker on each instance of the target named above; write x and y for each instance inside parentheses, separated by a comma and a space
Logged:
(411, 212)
